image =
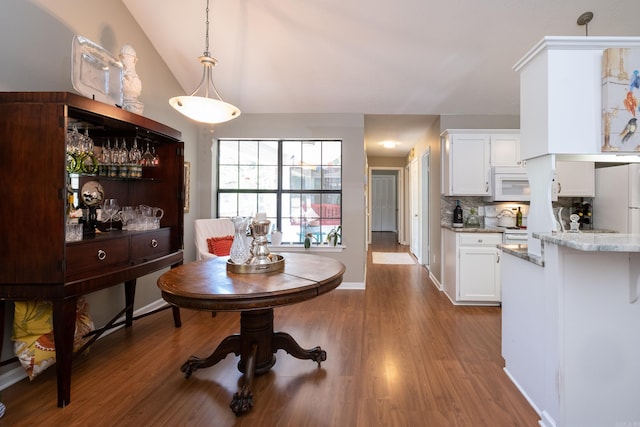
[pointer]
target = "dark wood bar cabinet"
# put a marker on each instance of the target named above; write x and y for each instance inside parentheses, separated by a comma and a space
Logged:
(35, 261)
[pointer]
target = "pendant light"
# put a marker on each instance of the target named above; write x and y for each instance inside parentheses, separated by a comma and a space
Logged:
(205, 109)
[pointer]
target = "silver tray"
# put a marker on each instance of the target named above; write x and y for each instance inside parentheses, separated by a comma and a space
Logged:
(95, 72)
(276, 265)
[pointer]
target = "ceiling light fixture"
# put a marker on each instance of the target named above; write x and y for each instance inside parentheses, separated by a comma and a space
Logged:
(389, 144)
(204, 108)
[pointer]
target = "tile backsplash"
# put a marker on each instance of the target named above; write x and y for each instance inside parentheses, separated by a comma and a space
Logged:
(448, 203)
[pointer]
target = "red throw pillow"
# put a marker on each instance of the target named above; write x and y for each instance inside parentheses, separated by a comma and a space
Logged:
(220, 246)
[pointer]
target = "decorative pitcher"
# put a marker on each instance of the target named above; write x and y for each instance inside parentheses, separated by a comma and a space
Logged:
(241, 246)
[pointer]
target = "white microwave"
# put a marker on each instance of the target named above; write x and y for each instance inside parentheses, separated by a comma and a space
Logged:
(510, 184)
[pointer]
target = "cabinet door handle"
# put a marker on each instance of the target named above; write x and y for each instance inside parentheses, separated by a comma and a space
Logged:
(498, 259)
(101, 255)
(154, 243)
(559, 187)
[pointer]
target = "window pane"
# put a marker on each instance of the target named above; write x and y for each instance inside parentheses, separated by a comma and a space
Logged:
(311, 178)
(228, 152)
(311, 152)
(331, 153)
(291, 178)
(248, 152)
(247, 204)
(331, 178)
(227, 205)
(248, 177)
(291, 153)
(292, 222)
(268, 177)
(268, 202)
(268, 153)
(228, 177)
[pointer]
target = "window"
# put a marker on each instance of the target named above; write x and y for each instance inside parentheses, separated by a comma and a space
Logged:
(298, 183)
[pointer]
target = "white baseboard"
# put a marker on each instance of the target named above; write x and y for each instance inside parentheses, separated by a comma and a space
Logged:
(359, 286)
(543, 415)
(17, 373)
(547, 420)
(13, 376)
(435, 281)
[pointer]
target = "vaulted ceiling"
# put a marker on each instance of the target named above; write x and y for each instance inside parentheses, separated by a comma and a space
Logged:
(404, 57)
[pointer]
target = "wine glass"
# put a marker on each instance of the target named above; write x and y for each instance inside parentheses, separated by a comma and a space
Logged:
(147, 157)
(136, 154)
(155, 159)
(89, 162)
(109, 209)
(123, 154)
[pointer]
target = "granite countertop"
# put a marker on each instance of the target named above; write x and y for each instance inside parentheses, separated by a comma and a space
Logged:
(605, 242)
(473, 230)
(522, 251)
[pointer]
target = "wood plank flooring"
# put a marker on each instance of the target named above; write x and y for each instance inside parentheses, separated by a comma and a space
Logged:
(398, 354)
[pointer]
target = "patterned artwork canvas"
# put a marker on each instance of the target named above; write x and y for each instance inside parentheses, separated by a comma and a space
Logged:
(620, 94)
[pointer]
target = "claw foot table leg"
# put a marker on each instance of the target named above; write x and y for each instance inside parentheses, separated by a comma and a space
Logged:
(284, 341)
(230, 344)
(242, 401)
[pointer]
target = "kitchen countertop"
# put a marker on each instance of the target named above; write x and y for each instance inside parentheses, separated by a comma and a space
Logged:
(604, 242)
(522, 251)
(473, 230)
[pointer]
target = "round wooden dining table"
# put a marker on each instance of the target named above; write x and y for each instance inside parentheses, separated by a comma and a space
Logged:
(207, 285)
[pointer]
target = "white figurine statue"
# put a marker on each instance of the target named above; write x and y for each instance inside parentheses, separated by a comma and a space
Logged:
(131, 85)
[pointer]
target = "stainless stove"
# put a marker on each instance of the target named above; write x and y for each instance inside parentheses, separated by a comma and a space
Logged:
(514, 236)
(510, 235)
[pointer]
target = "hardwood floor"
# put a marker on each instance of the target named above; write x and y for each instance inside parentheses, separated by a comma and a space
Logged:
(398, 354)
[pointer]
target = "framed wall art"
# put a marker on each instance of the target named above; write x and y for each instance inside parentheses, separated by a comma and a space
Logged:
(187, 185)
(620, 92)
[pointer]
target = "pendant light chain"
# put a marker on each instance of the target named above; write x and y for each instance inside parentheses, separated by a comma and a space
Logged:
(206, 37)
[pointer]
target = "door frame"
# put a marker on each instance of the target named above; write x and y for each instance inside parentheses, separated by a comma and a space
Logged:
(400, 219)
(425, 219)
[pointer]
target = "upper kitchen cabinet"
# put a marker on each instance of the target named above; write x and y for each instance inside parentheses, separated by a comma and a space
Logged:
(561, 95)
(575, 179)
(469, 154)
(505, 151)
(465, 163)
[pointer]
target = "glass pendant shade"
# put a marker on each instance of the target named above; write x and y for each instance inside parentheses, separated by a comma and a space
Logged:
(204, 109)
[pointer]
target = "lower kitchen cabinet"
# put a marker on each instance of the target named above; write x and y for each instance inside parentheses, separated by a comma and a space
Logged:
(471, 267)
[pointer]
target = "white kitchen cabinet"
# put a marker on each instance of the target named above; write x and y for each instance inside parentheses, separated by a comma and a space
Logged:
(505, 151)
(575, 179)
(465, 164)
(471, 267)
(469, 154)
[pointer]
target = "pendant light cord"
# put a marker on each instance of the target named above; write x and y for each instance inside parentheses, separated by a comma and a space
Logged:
(206, 37)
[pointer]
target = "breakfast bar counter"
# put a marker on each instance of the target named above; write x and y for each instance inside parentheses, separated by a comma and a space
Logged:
(571, 328)
(593, 241)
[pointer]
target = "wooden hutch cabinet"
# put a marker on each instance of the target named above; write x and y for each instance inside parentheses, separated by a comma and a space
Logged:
(35, 261)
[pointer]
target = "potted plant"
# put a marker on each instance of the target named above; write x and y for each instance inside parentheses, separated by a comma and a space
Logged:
(307, 240)
(334, 236)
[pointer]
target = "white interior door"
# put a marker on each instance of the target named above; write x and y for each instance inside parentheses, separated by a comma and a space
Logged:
(384, 202)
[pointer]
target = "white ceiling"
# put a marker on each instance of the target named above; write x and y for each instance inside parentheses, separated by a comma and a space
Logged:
(380, 57)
